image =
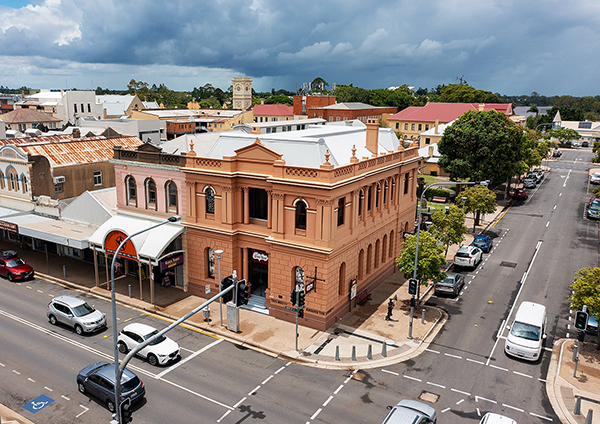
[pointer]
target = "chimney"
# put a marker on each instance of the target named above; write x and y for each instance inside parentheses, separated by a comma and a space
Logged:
(437, 122)
(481, 107)
(372, 136)
(76, 133)
(262, 102)
(256, 130)
(430, 151)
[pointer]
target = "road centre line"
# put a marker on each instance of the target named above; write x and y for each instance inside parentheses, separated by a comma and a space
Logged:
(499, 368)
(183, 361)
(477, 362)
(460, 401)
(280, 369)
(436, 385)
(240, 402)
(524, 375)
(339, 388)
(482, 398)
(453, 356)
(513, 407)
(540, 416)
(523, 280)
(316, 413)
(327, 401)
(432, 351)
(459, 391)
(554, 207)
(445, 410)
(389, 372)
(547, 223)
(566, 178)
(267, 379)
(412, 378)
(251, 392)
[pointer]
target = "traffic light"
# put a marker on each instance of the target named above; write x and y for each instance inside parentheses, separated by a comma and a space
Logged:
(243, 293)
(226, 282)
(293, 297)
(412, 286)
(300, 313)
(126, 411)
(301, 296)
(581, 319)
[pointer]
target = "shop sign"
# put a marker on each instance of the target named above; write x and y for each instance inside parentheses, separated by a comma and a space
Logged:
(171, 262)
(352, 289)
(9, 226)
(261, 257)
(207, 289)
(114, 239)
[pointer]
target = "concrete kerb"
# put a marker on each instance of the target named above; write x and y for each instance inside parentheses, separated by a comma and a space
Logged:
(552, 384)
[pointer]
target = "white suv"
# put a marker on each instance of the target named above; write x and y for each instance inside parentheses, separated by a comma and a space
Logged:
(468, 256)
(160, 352)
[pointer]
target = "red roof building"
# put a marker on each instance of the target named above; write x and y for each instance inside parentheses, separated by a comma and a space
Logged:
(273, 113)
(24, 119)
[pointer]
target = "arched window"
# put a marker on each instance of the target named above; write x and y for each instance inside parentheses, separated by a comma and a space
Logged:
(369, 258)
(13, 179)
(377, 194)
(384, 249)
(210, 262)
(209, 196)
(369, 196)
(385, 191)
(377, 251)
(298, 277)
(342, 279)
(24, 182)
(301, 215)
(2, 180)
(130, 189)
(361, 198)
(361, 261)
(150, 194)
(171, 193)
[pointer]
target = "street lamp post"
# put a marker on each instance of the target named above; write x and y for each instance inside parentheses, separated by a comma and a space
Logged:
(442, 183)
(219, 253)
(114, 313)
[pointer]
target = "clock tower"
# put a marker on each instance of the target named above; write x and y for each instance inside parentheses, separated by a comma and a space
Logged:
(242, 93)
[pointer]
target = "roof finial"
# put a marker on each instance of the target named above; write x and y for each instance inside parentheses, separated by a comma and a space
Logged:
(191, 146)
(327, 154)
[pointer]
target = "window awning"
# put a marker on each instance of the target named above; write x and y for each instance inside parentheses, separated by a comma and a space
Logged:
(149, 245)
(52, 230)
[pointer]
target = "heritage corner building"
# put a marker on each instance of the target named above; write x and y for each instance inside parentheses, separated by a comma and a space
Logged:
(331, 202)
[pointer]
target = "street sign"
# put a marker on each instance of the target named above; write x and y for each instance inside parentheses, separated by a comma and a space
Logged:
(207, 289)
(289, 308)
(353, 289)
(38, 403)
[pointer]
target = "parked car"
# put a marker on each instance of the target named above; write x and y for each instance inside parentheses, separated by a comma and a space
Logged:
(592, 324)
(593, 210)
(13, 267)
(593, 199)
(492, 418)
(483, 242)
(585, 144)
(99, 380)
(540, 173)
(468, 256)
(410, 411)
(452, 284)
(556, 153)
(160, 352)
(575, 144)
(529, 183)
(76, 313)
(595, 178)
(520, 193)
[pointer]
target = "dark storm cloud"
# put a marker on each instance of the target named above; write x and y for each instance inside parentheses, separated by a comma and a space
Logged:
(509, 47)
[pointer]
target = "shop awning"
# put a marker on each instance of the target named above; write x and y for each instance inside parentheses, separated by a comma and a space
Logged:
(150, 244)
(51, 230)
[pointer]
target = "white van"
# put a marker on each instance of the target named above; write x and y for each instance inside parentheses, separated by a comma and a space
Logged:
(527, 332)
(491, 418)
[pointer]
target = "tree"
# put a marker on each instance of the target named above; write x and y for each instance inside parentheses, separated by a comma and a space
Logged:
(480, 200)
(430, 262)
(462, 93)
(564, 135)
(449, 228)
(481, 146)
(586, 291)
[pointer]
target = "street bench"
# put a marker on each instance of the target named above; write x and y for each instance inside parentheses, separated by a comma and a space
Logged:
(363, 296)
(439, 199)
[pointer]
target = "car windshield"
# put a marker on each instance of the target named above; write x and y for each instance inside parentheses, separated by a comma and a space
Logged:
(157, 341)
(526, 331)
(83, 310)
(462, 254)
(129, 385)
(448, 281)
(15, 262)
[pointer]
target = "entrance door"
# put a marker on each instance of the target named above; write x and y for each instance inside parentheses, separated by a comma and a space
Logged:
(258, 270)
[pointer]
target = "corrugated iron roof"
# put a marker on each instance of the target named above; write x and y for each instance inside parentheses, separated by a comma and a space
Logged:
(43, 139)
(446, 112)
(81, 150)
(27, 116)
(273, 110)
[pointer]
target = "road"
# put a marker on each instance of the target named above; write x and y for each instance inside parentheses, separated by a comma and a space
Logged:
(538, 245)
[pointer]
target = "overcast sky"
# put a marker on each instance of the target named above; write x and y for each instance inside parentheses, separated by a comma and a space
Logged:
(508, 47)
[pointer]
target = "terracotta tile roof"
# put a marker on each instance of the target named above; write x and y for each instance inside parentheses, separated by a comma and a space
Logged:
(80, 150)
(446, 112)
(27, 116)
(273, 110)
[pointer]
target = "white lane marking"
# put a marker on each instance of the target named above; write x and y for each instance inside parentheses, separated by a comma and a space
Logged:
(477, 362)
(547, 223)
(16, 372)
(316, 413)
(267, 379)
(460, 401)
(186, 349)
(524, 375)
(30, 379)
(198, 352)
(240, 402)
(453, 356)
(499, 368)
(64, 397)
(540, 416)
(81, 413)
(513, 407)
(432, 351)
(254, 390)
(567, 177)
(412, 378)
(459, 391)
(279, 370)
(224, 415)
(554, 207)
(2, 365)
(523, 280)
(501, 328)
(445, 410)
(436, 385)
(48, 388)
(338, 389)
(568, 335)
(542, 380)
(478, 412)
(390, 372)
(216, 402)
(327, 401)
(560, 195)
(482, 398)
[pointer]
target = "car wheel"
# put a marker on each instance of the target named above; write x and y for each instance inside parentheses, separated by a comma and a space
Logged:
(122, 347)
(81, 387)
(10, 277)
(52, 319)
(79, 329)
(110, 405)
(152, 360)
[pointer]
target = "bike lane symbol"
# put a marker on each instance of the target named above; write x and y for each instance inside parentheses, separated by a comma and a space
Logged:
(38, 403)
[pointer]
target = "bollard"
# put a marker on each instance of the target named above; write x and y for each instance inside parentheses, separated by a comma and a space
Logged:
(130, 290)
(354, 353)
(590, 415)
(64, 271)
(423, 317)
(370, 352)
(384, 350)
(577, 410)
(337, 353)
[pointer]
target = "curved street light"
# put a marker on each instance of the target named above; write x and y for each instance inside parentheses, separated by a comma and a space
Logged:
(442, 183)
(118, 371)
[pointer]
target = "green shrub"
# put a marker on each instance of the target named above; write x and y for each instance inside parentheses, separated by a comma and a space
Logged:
(438, 192)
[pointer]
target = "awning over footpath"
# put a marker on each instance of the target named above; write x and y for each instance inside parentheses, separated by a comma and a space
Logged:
(51, 230)
(149, 245)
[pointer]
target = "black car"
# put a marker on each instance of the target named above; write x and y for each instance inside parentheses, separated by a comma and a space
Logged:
(99, 380)
(452, 284)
